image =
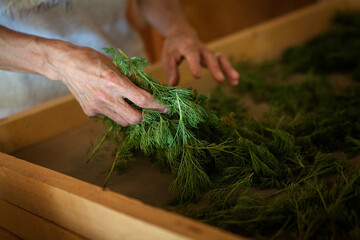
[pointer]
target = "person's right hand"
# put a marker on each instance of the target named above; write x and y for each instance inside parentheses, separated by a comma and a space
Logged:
(97, 84)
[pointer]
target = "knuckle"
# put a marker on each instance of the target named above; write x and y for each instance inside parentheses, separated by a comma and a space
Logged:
(118, 117)
(108, 74)
(133, 119)
(124, 124)
(194, 53)
(189, 41)
(143, 98)
(110, 79)
(193, 56)
(207, 52)
(89, 112)
(96, 106)
(170, 59)
(101, 96)
(223, 59)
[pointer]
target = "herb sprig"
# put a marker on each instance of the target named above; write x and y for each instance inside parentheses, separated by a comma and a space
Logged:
(169, 135)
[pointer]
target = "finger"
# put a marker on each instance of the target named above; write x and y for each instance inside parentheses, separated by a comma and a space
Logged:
(144, 99)
(211, 62)
(119, 110)
(114, 116)
(122, 87)
(230, 72)
(128, 113)
(171, 70)
(193, 59)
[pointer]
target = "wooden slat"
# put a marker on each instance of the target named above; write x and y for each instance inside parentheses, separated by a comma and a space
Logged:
(6, 235)
(89, 210)
(352, 5)
(29, 226)
(269, 39)
(39, 123)
(225, 17)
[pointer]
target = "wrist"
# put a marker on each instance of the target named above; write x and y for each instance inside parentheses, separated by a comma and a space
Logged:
(54, 57)
(181, 30)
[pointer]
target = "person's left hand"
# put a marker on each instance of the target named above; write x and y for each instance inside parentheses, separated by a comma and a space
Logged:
(188, 46)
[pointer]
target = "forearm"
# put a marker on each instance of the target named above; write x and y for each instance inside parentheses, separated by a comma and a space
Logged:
(91, 77)
(166, 16)
(28, 53)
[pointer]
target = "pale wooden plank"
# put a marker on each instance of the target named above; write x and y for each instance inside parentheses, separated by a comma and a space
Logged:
(26, 225)
(268, 40)
(38, 123)
(89, 210)
(352, 5)
(66, 153)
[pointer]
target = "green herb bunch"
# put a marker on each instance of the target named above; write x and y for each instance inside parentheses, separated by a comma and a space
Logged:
(171, 137)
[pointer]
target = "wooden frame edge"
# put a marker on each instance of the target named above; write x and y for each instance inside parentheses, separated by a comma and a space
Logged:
(26, 225)
(76, 205)
(40, 122)
(262, 41)
(6, 235)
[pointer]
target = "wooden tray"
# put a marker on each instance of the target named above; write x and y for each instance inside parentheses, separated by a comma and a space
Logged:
(53, 193)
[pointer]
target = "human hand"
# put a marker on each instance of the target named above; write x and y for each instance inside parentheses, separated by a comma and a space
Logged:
(99, 86)
(186, 45)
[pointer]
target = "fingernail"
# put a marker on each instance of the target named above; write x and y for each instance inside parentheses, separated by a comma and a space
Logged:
(165, 111)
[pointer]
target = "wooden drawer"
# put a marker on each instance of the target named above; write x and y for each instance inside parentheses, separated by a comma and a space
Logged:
(54, 194)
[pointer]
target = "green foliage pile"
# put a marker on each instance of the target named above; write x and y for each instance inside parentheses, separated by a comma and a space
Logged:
(290, 153)
(335, 50)
(270, 178)
(171, 137)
